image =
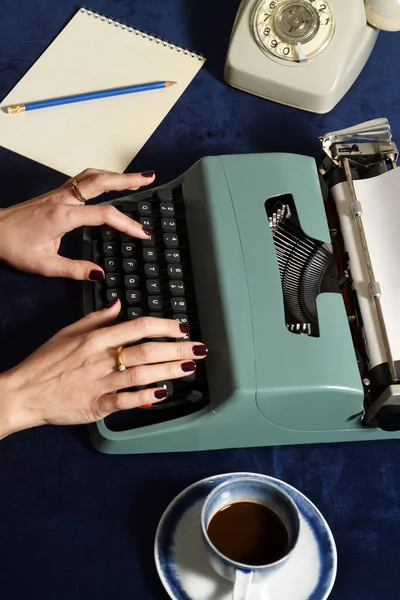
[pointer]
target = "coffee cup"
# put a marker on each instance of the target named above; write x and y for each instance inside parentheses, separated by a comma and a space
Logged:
(250, 528)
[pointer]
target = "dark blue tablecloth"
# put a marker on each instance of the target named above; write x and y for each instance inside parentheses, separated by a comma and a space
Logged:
(76, 524)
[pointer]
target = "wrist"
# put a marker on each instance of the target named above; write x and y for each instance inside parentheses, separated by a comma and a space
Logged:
(14, 415)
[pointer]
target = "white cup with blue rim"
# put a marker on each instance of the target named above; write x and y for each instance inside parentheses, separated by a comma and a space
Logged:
(248, 489)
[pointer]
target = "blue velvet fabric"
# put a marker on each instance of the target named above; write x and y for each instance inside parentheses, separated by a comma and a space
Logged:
(78, 524)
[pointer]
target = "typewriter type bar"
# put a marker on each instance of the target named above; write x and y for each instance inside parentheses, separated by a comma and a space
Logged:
(366, 150)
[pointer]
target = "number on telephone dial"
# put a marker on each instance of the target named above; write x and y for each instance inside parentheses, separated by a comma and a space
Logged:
(305, 53)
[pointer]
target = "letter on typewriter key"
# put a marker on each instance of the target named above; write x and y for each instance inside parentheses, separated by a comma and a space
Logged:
(171, 240)
(134, 312)
(150, 254)
(131, 281)
(147, 222)
(175, 270)
(176, 287)
(111, 264)
(113, 294)
(130, 265)
(167, 209)
(155, 302)
(153, 286)
(168, 224)
(144, 207)
(149, 241)
(182, 318)
(107, 233)
(178, 303)
(128, 249)
(133, 296)
(113, 279)
(109, 248)
(151, 270)
(172, 256)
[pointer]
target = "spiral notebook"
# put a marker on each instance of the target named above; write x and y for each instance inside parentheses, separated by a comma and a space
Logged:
(94, 53)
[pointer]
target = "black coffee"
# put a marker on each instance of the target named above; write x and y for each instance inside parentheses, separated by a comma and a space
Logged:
(249, 533)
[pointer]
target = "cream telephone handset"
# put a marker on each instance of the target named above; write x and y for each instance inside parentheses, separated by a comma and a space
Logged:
(305, 53)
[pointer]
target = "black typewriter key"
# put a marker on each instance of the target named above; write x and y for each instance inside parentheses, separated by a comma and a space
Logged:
(178, 303)
(157, 315)
(176, 287)
(168, 224)
(144, 207)
(151, 270)
(133, 296)
(111, 264)
(129, 206)
(171, 240)
(172, 256)
(149, 254)
(149, 241)
(167, 209)
(155, 302)
(131, 281)
(130, 265)
(113, 279)
(175, 271)
(194, 396)
(109, 248)
(182, 318)
(128, 249)
(153, 286)
(134, 312)
(164, 194)
(108, 233)
(147, 222)
(124, 237)
(112, 294)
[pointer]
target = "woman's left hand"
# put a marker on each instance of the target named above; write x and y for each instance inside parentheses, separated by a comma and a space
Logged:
(31, 232)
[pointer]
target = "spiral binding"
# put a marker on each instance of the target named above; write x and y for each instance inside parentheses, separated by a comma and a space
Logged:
(143, 34)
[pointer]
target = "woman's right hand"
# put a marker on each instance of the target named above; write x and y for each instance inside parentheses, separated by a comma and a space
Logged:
(74, 378)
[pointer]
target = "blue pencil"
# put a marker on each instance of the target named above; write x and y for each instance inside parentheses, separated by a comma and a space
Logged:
(130, 89)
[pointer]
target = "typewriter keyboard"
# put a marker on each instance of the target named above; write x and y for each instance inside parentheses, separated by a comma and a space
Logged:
(152, 277)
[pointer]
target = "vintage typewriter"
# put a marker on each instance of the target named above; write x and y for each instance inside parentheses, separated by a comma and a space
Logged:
(266, 257)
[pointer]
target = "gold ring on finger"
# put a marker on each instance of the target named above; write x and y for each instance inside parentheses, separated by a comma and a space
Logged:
(77, 192)
(121, 364)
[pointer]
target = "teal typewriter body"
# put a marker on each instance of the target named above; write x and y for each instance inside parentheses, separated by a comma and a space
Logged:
(268, 382)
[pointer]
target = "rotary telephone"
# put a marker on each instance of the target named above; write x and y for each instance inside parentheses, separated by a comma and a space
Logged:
(305, 53)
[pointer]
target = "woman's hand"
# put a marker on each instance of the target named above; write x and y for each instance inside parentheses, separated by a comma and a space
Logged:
(74, 378)
(31, 232)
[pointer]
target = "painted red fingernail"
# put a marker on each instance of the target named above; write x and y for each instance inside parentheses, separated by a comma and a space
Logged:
(200, 350)
(148, 231)
(146, 406)
(161, 394)
(189, 366)
(148, 173)
(96, 275)
(113, 303)
(184, 327)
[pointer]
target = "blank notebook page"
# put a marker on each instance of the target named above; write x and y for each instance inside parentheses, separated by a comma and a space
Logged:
(95, 53)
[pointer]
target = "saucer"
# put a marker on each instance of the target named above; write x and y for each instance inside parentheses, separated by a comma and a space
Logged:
(186, 574)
